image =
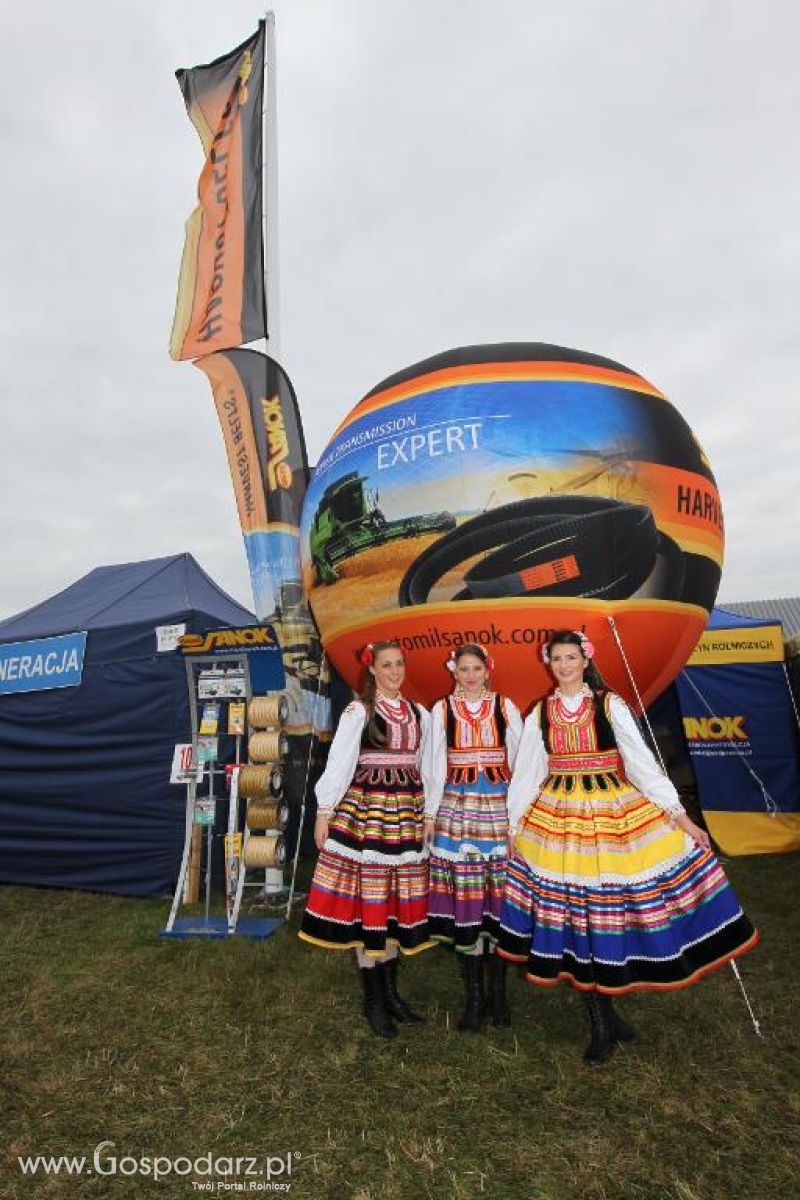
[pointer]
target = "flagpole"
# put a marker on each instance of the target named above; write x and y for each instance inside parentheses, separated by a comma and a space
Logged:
(269, 189)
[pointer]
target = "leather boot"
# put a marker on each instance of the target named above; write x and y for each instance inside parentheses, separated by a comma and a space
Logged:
(374, 1003)
(395, 1005)
(496, 1002)
(475, 998)
(621, 1030)
(600, 1045)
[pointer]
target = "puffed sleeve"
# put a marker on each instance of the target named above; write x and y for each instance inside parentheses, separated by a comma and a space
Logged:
(513, 730)
(434, 766)
(342, 758)
(530, 770)
(640, 765)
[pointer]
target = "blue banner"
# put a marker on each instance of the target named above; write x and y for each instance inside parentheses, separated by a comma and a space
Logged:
(53, 662)
(741, 718)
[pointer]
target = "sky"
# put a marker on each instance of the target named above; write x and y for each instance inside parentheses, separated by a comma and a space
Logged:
(617, 176)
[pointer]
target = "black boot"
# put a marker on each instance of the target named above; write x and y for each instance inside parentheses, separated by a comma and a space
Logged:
(475, 997)
(496, 1002)
(374, 1003)
(600, 1043)
(395, 1005)
(621, 1031)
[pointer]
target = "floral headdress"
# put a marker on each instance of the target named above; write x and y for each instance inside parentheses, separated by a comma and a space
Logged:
(488, 661)
(365, 655)
(586, 646)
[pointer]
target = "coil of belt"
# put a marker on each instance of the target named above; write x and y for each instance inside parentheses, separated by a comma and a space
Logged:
(266, 746)
(552, 546)
(268, 850)
(270, 814)
(268, 712)
(260, 782)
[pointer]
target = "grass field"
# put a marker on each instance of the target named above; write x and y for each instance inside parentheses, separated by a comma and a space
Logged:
(258, 1050)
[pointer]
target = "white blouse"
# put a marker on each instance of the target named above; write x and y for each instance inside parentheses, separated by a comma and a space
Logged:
(638, 761)
(436, 764)
(344, 752)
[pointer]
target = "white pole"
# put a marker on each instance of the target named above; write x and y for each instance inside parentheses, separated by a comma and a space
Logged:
(269, 189)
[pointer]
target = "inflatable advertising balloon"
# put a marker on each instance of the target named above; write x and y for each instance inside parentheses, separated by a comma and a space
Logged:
(497, 493)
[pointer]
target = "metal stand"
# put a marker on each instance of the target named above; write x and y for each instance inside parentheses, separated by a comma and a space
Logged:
(209, 925)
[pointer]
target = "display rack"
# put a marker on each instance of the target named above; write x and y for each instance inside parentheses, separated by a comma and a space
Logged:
(206, 789)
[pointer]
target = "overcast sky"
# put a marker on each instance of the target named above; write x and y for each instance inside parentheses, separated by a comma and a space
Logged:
(619, 176)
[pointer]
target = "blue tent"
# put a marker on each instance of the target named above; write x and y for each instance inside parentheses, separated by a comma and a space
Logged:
(733, 707)
(85, 798)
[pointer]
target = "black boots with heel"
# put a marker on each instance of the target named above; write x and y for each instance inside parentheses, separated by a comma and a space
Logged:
(475, 996)
(395, 1005)
(375, 1009)
(496, 1002)
(607, 1029)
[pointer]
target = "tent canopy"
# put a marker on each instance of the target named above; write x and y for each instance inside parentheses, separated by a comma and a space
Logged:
(85, 798)
(121, 605)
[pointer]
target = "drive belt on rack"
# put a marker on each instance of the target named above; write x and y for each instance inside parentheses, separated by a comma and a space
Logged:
(553, 546)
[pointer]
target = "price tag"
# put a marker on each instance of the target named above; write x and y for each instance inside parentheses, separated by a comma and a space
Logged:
(184, 764)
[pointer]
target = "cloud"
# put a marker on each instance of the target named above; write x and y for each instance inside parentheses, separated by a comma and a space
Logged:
(619, 178)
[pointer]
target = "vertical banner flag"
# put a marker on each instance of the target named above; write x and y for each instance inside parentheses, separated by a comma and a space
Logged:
(263, 433)
(221, 300)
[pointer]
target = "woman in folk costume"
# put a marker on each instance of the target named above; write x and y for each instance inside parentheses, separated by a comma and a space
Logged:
(472, 745)
(610, 885)
(370, 885)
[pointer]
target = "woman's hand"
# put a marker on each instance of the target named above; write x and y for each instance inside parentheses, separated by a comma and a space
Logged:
(427, 836)
(698, 835)
(321, 830)
(512, 833)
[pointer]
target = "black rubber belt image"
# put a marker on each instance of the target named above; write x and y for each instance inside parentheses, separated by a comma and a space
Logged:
(551, 546)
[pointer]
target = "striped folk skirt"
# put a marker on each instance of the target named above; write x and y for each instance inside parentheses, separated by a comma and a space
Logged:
(602, 892)
(370, 885)
(468, 861)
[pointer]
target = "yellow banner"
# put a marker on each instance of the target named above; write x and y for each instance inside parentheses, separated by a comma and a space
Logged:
(754, 833)
(760, 643)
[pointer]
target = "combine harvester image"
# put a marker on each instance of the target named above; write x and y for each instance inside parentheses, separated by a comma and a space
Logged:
(348, 521)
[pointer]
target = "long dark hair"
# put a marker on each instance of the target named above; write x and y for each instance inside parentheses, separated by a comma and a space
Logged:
(368, 686)
(591, 675)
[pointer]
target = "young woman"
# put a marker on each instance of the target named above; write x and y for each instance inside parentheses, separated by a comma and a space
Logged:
(472, 745)
(370, 885)
(610, 885)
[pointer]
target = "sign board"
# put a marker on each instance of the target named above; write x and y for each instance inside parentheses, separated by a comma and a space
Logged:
(184, 764)
(167, 637)
(259, 642)
(37, 666)
(222, 683)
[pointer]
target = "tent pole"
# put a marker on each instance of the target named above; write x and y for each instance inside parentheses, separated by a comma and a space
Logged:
(269, 191)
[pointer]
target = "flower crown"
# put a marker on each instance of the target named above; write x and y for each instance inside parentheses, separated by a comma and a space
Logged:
(488, 661)
(586, 646)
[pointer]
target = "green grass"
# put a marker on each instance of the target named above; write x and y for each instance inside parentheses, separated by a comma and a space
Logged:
(180, 1048)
